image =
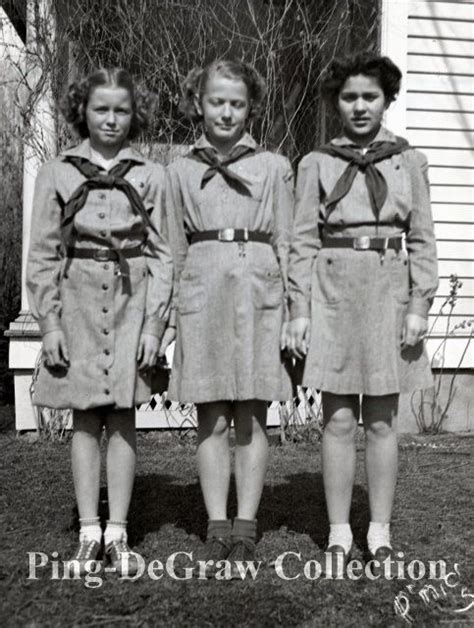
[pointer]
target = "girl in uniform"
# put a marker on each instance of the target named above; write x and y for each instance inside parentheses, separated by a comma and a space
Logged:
(363, 274)
(229, 210)
(99, 281)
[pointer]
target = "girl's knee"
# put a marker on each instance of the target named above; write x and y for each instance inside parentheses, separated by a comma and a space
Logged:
(249, 428)
(380, 429)
(213, 427)
(341, 424)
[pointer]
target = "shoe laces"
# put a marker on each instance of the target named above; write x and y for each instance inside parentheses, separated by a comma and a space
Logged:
(240, 548)
(86, 548)
(120, 546)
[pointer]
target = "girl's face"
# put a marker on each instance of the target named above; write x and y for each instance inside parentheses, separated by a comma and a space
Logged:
(225, 108)
(361, 105)
(109, 116)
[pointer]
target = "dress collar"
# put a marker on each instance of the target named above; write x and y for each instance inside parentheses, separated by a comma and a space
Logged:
(383, 135)
(84, 150)
(245, 140)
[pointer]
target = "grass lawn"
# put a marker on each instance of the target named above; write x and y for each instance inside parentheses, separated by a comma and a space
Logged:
(432, 521)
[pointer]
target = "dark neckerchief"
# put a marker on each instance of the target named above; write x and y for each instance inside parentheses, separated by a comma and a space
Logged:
(374, 179)
(208, 156)
(97, 178)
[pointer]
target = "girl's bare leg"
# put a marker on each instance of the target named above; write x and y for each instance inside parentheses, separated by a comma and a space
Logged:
(251, 455)
(213, 456)
(85, 458)
(121, 461)
(381, 455)
(340, 414)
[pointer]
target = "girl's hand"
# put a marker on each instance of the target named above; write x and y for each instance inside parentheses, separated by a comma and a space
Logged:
(414, 330)
(297, 337)
(147, 351)
(168, 337)
(55, 349)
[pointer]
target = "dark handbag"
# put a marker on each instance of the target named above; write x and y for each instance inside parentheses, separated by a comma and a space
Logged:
(160, 376)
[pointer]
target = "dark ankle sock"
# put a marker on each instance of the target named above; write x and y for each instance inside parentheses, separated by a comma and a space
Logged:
(219, 528)
(245, 528)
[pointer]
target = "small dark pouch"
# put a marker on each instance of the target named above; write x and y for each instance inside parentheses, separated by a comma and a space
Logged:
(160, 376)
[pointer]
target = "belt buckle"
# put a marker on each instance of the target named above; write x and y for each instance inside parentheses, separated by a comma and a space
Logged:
(102, 255)
(226, 235)
(362, 243)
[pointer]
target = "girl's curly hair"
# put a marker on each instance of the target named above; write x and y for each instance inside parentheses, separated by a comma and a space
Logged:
(194, 85)
(371, 64)
(74, 102)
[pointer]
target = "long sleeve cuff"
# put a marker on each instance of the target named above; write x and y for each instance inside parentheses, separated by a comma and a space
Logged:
(299, 309)
(173, 317)
(50, 322)
(154, 326)
(419, 306)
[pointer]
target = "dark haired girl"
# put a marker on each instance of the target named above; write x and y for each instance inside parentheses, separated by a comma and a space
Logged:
(363, 274)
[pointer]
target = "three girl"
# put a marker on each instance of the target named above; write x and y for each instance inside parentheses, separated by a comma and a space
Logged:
(99, 280)
(359, 280)
(363, 274)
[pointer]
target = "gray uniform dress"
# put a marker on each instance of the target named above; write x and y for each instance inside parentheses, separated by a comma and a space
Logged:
(358, 300)
(230, 297)
(85, 297)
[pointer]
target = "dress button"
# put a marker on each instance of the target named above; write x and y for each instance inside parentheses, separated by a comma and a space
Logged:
(397, 167)
(105, 286)
(107, 391)
(107, 351)
(103, 233)
(106, 371)
(105, 310)
(102, 196)
(102, 215)
(106, 331)
(106, 267)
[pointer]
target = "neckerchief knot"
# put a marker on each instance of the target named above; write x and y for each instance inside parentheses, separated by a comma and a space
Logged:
(209, 156)
(374, 179)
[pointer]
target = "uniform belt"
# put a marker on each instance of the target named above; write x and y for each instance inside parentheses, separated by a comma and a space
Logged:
(105, 255)
(364, 243)
(231, 235)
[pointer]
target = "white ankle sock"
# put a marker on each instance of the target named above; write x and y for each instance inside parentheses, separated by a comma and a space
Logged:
(340, 534)
(378, 536)
(90, 529)
(115, 531)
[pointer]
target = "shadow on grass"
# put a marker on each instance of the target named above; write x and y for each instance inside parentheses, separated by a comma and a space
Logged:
(297, 504)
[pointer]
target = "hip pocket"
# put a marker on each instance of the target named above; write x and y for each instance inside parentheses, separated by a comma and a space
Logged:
(267, 288)
(399, 277)
(191, 294)
(330, 277)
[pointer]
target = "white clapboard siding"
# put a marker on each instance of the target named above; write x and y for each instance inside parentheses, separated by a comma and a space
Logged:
(447, 120)
(461, 139)
(467, 288)
(454, 325)
(447, 156)
(461, 268)
(455, 231)
(452, 29)
(452, 194)
(451, 176)
(463, 305)
(455, 249)
(454, 352)
(440, 83)
(441, 102)
(434, 46)
(443, 212)
(444, 10)
(444, 65)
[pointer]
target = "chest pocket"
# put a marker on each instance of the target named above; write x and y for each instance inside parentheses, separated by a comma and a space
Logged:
(254, 182)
